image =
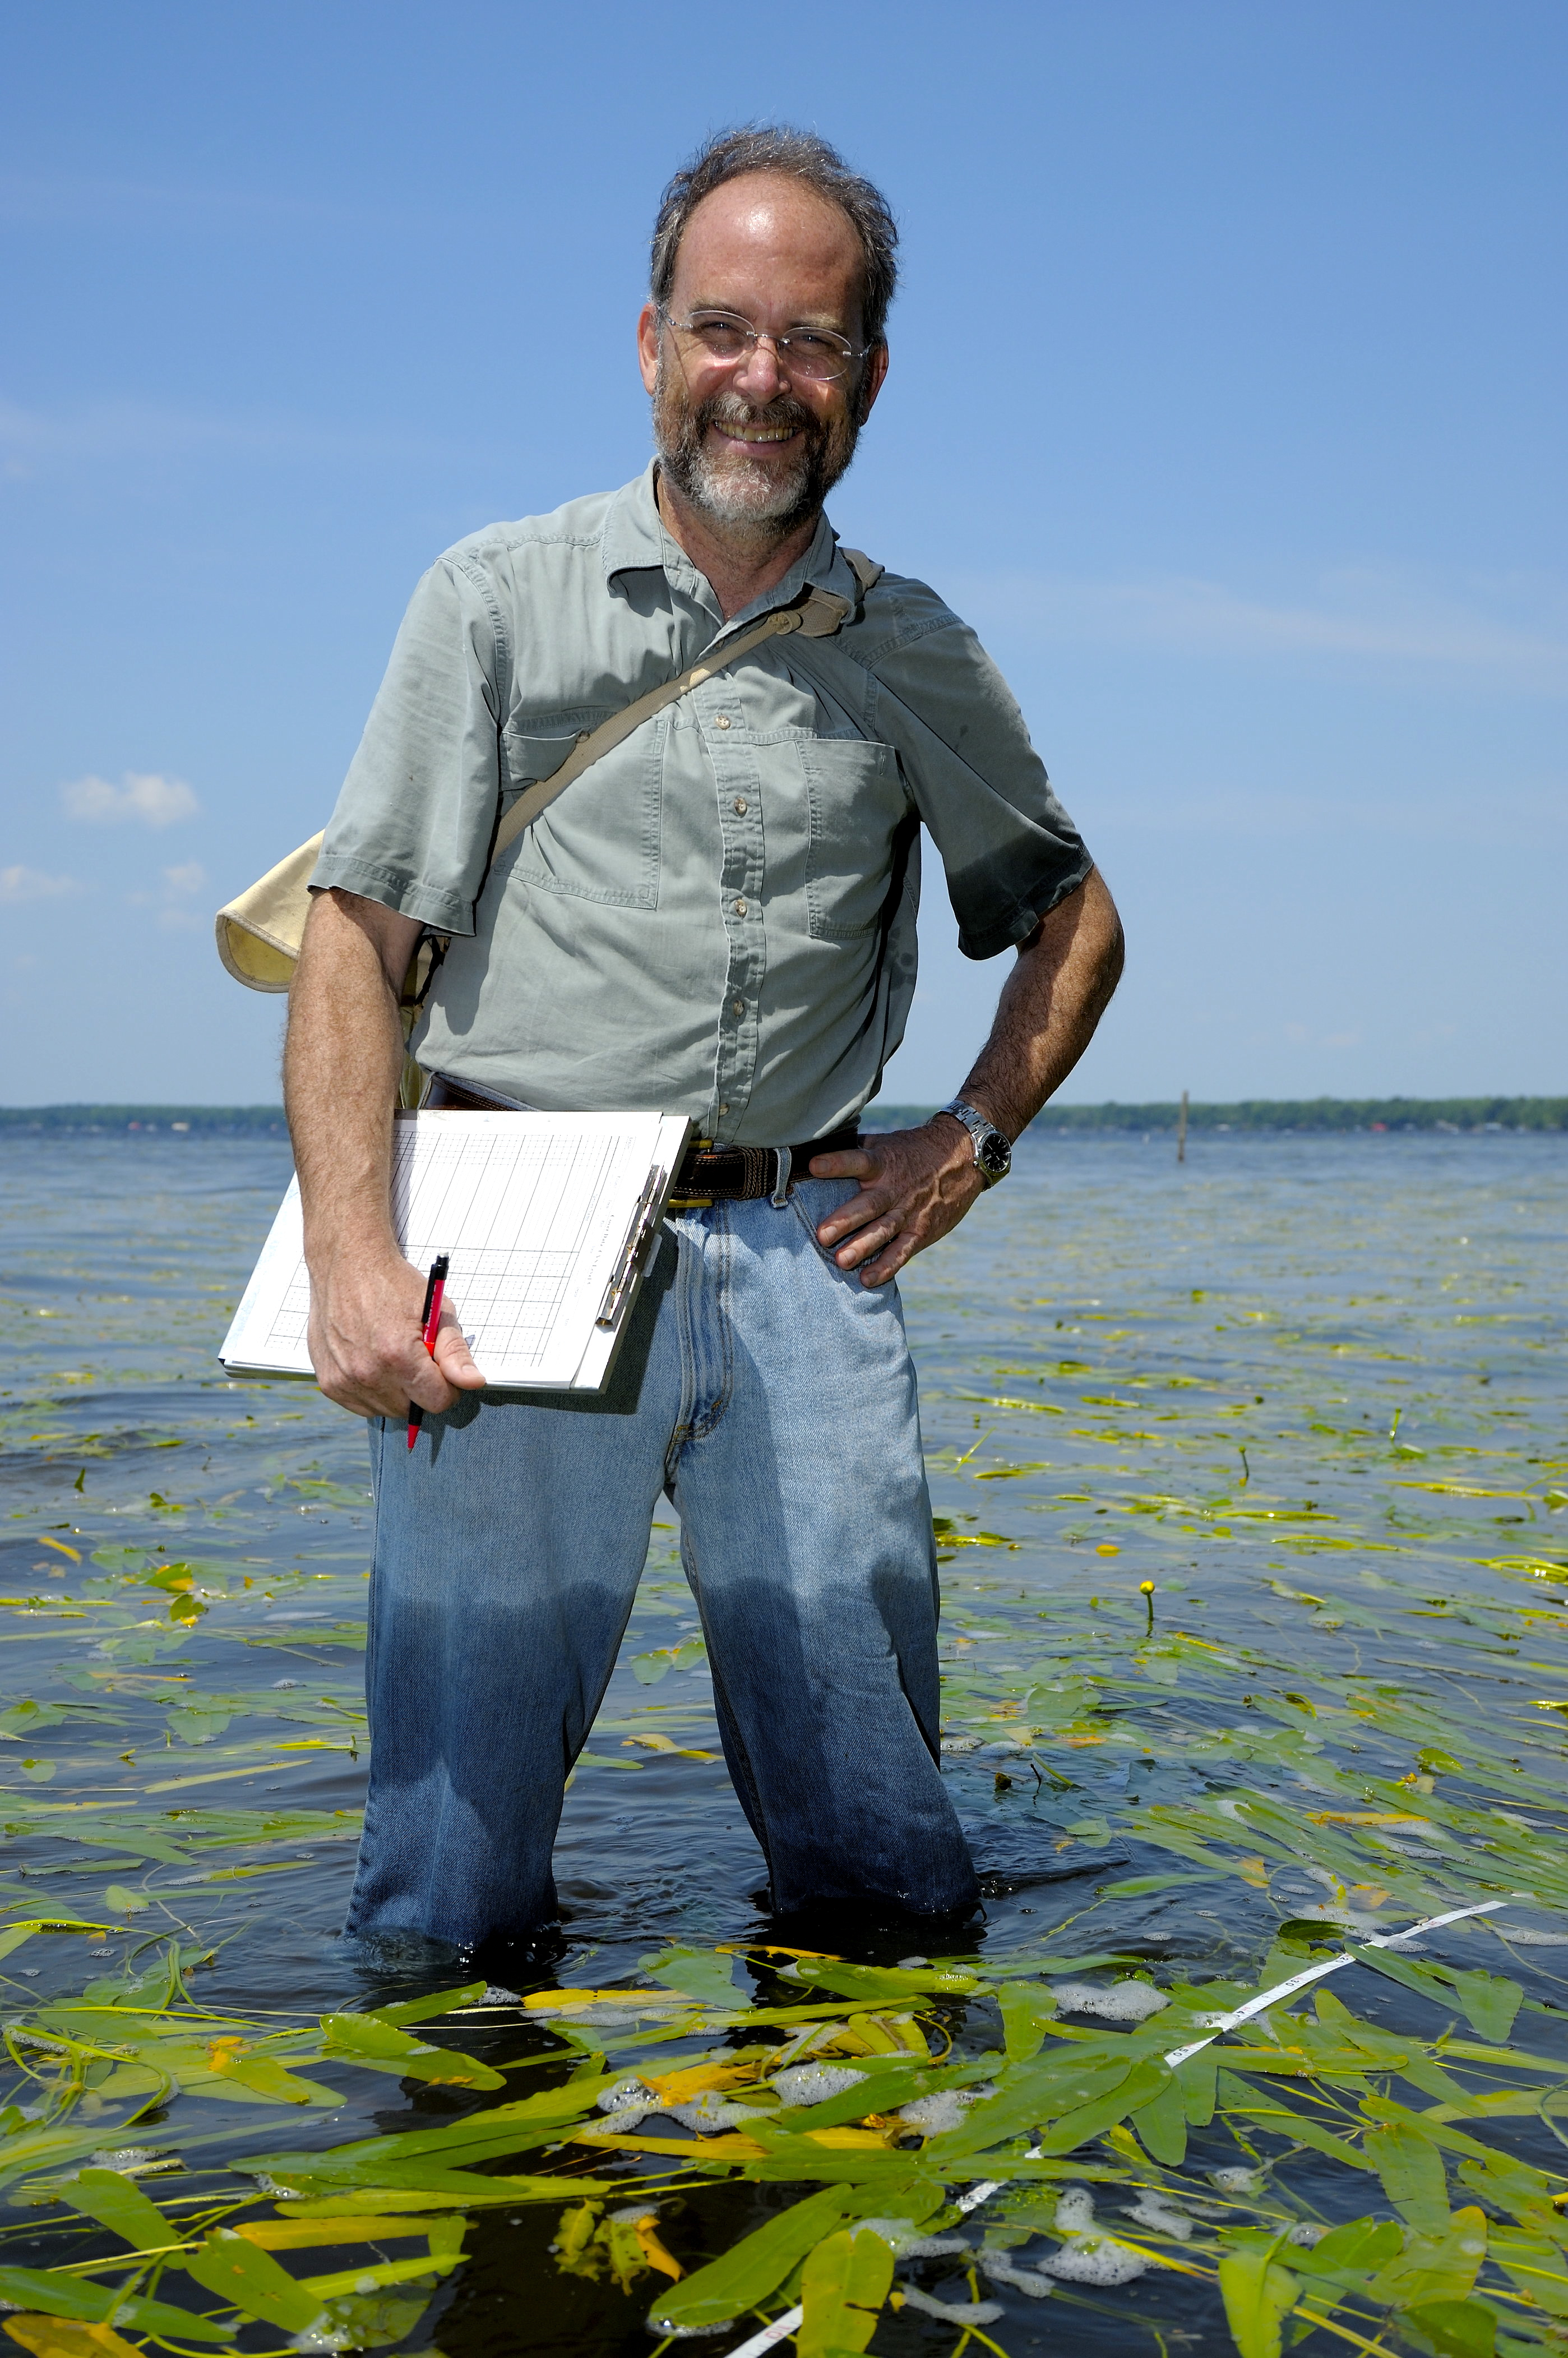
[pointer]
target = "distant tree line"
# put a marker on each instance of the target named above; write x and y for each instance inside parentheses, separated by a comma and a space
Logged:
(1287, 1113)
(209, 1121)
(1252, 1113)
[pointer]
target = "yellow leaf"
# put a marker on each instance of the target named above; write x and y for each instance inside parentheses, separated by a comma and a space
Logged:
(679, 2087)
(646, 2232)
(66, 2337)
(1364, 1818)
(75, 1555)
(707, 2148)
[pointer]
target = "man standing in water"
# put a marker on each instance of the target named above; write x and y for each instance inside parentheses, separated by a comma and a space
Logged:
(717, 919)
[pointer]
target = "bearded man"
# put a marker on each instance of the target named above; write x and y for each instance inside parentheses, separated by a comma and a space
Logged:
(716, 920)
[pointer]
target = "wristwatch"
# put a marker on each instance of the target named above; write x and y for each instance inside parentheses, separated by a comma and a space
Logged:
(993, 1152)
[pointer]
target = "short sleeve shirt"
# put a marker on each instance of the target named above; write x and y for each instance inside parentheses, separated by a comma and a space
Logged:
(718, 918)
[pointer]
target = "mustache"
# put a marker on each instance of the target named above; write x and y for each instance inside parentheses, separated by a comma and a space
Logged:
(730, 409)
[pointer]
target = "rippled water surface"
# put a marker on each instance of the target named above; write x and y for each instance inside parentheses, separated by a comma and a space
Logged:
(1252, 1499)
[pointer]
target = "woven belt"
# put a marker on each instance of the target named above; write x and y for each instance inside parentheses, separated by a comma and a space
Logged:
(707, 1174)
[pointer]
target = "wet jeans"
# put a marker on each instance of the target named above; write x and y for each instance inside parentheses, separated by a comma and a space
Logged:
(771, 1397)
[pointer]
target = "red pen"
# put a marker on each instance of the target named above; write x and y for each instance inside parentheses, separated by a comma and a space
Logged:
(430, 1323)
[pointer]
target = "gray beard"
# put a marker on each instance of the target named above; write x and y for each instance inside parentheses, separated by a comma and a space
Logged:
(735, 493)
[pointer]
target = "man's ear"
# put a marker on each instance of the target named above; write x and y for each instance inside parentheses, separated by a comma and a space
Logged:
(873, 378)
(648, 345)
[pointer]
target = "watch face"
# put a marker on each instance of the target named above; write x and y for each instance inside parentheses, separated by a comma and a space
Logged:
(994, 1155)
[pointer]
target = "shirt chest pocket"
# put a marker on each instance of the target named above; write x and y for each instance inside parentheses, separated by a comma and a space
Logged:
(600, 841)
(855, 803)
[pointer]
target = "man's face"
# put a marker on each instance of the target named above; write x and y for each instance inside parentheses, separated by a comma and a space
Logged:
(750, 444)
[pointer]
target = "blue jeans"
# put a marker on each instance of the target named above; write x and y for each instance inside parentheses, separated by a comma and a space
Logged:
(771, 1397)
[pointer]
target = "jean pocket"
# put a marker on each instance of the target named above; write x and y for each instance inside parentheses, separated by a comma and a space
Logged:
(812, 1200)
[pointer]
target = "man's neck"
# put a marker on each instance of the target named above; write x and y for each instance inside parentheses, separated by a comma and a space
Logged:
(739, 566)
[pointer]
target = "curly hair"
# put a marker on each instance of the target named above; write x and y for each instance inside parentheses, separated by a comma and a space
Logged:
(798, 155)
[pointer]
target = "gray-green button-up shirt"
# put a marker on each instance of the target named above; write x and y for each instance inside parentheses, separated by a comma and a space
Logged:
(719, 917)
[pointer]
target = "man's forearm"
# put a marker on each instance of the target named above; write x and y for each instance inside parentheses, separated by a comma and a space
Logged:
(916, 1184)
(340, 1071)
(1049, 1007)
(341, 1068)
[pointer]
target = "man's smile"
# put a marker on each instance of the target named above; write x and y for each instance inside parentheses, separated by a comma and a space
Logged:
(755, 434)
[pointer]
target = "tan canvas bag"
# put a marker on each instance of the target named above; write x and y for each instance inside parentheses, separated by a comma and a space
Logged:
(259, 932)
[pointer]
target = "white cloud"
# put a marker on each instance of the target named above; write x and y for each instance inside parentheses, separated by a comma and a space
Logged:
(32, 884)
(141, 794)
(190, 878)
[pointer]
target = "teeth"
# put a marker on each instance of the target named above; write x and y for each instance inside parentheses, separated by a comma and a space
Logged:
(757, 433)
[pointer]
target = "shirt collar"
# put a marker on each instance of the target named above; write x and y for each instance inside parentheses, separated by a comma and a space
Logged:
(635, 540)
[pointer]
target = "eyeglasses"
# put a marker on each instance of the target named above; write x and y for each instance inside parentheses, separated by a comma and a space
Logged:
(816, 353)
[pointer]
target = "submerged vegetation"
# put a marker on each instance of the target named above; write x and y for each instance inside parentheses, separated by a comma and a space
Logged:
(1249, 1495)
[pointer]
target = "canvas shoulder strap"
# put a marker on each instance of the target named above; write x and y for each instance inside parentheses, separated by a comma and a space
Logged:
(259, 932)
(812, 618)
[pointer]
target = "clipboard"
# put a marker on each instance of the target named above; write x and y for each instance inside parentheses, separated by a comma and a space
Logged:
(548, 1220)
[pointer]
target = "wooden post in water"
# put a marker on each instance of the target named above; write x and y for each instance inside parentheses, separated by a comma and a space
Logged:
(1182, 1130)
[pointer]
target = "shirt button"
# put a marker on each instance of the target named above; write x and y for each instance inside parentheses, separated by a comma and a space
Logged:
(723, 721)
(739, 1005)
(739, 908)
(741, 804)
(723, 1109)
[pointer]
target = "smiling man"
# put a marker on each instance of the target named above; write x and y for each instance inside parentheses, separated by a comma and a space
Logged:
(717, 918)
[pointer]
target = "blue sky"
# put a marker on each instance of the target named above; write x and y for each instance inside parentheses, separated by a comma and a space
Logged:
(1225, 401)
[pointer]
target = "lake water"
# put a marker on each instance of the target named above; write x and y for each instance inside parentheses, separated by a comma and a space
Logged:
(1311, 1388)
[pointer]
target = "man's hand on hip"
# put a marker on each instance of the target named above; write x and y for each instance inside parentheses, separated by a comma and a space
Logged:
(368, 1348)
(915, 1184)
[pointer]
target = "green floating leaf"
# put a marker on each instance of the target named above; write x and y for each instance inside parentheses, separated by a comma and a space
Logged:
(1435, 2268)
(1027, 2012)
(379, 2046)
(248, 2279)
(424, 2009)
(478, 2137)
(700, 1974)
(117, 2203)
(1258, 2296)
(55, 2295)
(1458, 2329)
(1349, 2254)
(1412, 2170)
(1490, 2002)
(1163, 2124)
(878, 1983)
(843, 2285)
(751, 2268)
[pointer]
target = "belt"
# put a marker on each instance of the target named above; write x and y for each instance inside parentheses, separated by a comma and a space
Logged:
(707, 1174)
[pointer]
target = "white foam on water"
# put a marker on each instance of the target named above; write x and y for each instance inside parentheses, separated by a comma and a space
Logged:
(813, 2083)
(1122, 2002)
(951, 2312)
(1152, 2210)
(1090, 2256)
(1000, 2268)
(945, 2110)
(906, 2243)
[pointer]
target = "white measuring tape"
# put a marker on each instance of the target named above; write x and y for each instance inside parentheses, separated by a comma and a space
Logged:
(783, 2327)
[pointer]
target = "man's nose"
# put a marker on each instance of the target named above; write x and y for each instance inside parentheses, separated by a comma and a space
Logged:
(759, 377)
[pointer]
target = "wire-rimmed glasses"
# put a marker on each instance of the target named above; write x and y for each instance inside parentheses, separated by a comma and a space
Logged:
(725, 338)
